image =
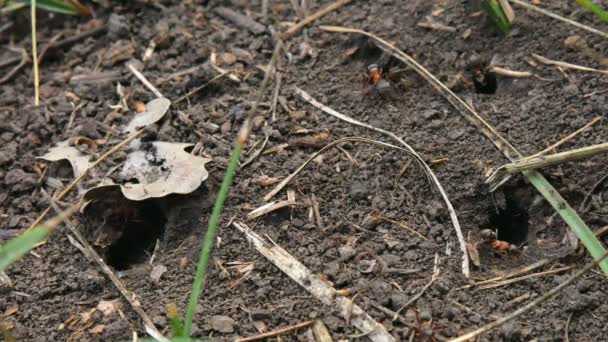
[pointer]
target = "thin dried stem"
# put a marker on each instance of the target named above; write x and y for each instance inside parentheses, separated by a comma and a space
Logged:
(426, 168)
(497, 323)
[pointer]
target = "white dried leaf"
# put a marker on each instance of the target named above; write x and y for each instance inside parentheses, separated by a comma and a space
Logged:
(158, 272)
(107, 307)
(63, 151)
(163, 169)
(155, 110)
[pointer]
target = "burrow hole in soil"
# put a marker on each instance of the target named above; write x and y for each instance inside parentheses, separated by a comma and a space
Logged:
(139, 237)
(511, 221)
(485, 83)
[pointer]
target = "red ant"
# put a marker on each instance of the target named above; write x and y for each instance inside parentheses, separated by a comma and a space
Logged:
(380, 79)
(426, 330)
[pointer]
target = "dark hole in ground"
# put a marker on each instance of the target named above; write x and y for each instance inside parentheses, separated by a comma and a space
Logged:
(485, 82)
(138, 238)
(510, 222)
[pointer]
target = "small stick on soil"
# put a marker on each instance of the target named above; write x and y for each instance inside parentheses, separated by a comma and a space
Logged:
(90, 253)
(511, 73)
(426, 287)
(533, 275)
(531, 305)
(145, 81)
(199, 88)
(313, 17)
(276, 332)
(240, 20)
(588, 195)
(402, 226)
(566, 65)
(287, 179)
(24, 60)
(567, 327)
(436, 26)
(558, 17)
(275, 95)
(317, 287)
(86, 172)
(526, 164)
(426, 168)
(270, 207)
(35, 55)
(601, 231)
(256, 153)
(515, 273)
(566, 139)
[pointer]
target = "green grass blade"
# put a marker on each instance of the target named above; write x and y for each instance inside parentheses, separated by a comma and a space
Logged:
(494, 10)
(210, 237)
(597, 10)
(576, 224)
(56, 6)
(16, 248)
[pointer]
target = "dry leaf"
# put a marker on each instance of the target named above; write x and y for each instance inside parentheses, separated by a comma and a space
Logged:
(98, 329)
(86, 316)
(107, 307)
(63, 151)
(158, 272)
(473, 253)
(162, 168)
(155, 110)
(321, 332)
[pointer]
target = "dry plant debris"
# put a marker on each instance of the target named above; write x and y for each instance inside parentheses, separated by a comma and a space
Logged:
(65, 151)
(154, 111)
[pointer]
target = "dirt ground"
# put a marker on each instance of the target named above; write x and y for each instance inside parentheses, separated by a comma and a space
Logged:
(53, 291)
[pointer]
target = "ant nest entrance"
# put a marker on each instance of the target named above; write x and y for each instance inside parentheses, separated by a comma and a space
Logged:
(124, 231)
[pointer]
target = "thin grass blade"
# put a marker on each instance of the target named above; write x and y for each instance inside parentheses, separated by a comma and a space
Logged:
(16, 248)
(495, 11)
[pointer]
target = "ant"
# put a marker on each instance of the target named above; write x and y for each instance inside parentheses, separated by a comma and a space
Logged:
(489, 236)
(380, 77)
(426, 330)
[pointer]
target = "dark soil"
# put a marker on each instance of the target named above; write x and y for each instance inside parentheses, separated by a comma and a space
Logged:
(54, 286)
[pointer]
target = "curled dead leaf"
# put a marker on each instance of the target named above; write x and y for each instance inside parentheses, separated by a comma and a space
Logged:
(154, 111)
(162, 168)
(63, 151)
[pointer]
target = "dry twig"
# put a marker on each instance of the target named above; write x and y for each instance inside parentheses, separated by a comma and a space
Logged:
(313, 17)
(529, 306)
(558, 17)
(313, 284)
(426, 287)
(566, 65)
(276, 332)
(24, 60)
(145, 81)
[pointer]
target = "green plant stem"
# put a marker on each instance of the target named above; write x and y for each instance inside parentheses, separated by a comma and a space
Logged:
(576, 224)
(210, 236)
(598, 11)
(16, 248)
